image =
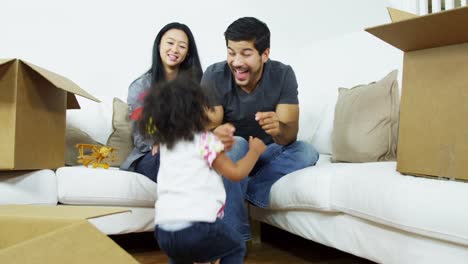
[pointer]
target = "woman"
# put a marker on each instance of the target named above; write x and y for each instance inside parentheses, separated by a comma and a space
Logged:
(174, 53)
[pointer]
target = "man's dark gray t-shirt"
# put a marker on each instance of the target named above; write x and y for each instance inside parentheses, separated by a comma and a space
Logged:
(278, 85)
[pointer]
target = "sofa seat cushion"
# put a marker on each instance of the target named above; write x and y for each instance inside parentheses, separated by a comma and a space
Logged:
(88, 186)
(139, 219)
(377, 192)
(308, 188)
(31, 187)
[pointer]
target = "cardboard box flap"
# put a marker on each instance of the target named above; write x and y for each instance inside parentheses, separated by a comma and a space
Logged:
(76, 242)
(3, 61)
(64, 84)
(58, 212)
(24, 228)
(72, 103)
(398, 15)
(424, 32)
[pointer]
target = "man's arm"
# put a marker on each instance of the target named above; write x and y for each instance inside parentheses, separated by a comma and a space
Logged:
(282, 125)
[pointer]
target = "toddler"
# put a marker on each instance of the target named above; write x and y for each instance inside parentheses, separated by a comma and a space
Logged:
(190, 190)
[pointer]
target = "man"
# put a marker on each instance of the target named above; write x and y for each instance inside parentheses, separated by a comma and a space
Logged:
(255, 96)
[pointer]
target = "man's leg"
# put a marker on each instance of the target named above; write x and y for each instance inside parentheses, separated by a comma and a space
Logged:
(273, 164)
(235, 212)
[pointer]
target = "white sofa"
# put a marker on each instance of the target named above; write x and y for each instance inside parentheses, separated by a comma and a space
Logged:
(366, 209)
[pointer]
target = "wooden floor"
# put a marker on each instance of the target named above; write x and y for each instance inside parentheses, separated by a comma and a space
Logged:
(277, 247)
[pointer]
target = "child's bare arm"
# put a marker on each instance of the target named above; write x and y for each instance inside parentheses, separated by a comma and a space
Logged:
(241, 169)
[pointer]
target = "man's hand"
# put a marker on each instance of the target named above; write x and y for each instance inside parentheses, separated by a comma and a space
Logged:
(225, 133)
(269, 122)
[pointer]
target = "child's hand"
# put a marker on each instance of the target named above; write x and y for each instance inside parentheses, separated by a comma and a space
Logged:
(225, 133)
(257, 145)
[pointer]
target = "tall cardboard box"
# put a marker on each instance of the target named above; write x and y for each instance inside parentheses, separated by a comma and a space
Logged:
(433, 133)
(33, 104)
(56, 235)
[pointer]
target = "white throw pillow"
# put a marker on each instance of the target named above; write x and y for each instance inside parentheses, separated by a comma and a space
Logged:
(94, 119)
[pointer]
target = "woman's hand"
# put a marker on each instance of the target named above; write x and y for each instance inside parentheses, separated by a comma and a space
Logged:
(154, 151)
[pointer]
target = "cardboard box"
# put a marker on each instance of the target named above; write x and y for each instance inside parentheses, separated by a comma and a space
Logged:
(56, 234)
(33, 103)
(433, 133)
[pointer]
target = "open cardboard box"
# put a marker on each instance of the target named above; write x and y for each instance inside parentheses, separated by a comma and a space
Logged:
(56, 234)
(33, 104)
(433, 133)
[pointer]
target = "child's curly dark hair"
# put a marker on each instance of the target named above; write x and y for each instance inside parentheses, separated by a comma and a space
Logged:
(173, 111)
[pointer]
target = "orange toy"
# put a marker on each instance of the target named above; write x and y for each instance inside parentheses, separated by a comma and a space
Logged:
(95, 154)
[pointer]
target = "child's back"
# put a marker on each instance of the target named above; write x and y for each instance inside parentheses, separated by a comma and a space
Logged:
(191, 193)
(188, 188)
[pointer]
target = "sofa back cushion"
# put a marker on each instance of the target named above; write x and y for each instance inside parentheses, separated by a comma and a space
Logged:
(324, 66)
(366, 122)
(121, 137)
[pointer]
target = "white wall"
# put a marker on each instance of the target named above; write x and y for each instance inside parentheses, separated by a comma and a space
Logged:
(103, 45)
(412, 6)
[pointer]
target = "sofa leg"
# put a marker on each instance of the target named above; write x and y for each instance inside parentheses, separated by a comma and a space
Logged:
(255, 242)
(255, 228)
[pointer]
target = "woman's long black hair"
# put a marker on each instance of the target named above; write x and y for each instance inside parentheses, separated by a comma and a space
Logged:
(191, 65)
(174, 111)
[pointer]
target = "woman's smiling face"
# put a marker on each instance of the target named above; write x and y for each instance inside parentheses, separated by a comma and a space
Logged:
(173, 48)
